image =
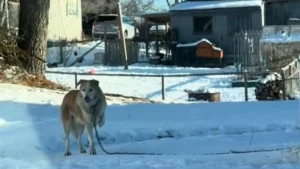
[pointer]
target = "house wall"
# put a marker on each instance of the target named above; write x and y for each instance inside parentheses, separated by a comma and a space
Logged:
(65, 20)
(223, 21)
(61, 25)
(278, 13)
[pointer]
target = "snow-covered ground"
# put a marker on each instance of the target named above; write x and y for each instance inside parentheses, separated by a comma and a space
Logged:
(72, 52)
(186, 134)
(150, 87)
(146, 87)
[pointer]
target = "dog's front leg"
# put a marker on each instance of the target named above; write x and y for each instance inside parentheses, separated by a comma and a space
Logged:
(101, 120)
(89, 129)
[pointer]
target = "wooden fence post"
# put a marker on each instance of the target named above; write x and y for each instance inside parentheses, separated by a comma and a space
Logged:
(163, 87)
(246, 85)
(123, 41)
(284, 84)
(75, 80)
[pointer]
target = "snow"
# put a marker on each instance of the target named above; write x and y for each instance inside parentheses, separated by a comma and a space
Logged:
(186, 134)
(194, 5)
(196, 43)
(280, 37)
(282, 34)
(73, 52)
(270, 78)
(150, 87)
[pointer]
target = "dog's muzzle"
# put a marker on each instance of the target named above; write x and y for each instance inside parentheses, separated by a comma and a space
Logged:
(87, 99)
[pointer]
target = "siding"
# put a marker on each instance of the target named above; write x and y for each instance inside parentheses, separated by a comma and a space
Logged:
(223, 25)
(279, 13)
(60, 24)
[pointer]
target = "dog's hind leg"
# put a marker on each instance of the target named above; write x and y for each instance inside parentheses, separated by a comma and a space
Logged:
(67, 129)
(77, 130)
(66, 120)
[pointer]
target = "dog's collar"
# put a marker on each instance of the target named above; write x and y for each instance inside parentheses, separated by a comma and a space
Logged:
(93, 106)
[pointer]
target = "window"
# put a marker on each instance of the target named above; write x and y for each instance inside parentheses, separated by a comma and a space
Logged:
(203, 24)
(72, 8)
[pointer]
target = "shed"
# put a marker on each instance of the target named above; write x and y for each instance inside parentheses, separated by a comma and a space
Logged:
(154, 19)
(200, 53)
(217, 21)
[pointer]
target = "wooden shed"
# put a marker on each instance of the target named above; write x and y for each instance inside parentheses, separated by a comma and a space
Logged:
(199, 53)
(216, 20)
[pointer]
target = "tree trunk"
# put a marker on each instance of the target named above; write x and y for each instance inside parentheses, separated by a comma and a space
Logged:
(33, 31)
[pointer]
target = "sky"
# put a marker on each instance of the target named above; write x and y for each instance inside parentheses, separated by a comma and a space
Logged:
(161, 3)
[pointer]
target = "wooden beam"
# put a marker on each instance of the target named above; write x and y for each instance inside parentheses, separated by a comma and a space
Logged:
(146, 37)
(123, 42)
(156, 39)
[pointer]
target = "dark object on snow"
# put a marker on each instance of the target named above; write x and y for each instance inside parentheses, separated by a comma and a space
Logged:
(80, 60)
(269, 87)
(206, 96)
(51, 65)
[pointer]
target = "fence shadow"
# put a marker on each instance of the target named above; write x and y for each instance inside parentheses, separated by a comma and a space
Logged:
(190, 80)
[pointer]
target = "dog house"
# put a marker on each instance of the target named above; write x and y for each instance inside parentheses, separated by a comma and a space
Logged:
(197, 54)
(206, 49)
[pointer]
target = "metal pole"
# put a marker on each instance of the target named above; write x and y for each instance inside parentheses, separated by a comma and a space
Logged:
(163, 87)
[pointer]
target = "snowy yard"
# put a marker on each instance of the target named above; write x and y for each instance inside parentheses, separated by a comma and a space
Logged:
(186, 134)
(150, 87)
(147, 87)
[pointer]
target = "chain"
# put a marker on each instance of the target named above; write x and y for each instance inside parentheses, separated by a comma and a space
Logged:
(115, 153)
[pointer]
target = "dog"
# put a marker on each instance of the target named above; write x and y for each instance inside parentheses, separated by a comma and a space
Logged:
(82, 109)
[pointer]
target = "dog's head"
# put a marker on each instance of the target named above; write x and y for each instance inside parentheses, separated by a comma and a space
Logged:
(88, 89)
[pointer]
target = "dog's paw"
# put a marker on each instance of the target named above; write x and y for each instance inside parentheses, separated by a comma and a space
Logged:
(93, 153)
(68, 154)
(82, 151)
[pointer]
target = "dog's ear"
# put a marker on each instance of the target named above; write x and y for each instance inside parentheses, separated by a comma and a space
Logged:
(96, 82)
(80, 82)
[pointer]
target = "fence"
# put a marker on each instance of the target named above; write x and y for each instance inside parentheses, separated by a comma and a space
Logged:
(247, 50)
(113, 55)
(244, 74)
(291, 73)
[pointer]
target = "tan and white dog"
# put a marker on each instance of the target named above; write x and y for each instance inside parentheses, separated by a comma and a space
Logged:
(79, 109)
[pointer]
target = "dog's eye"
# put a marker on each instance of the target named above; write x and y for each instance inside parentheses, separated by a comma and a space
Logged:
(83, 90)
(90, 90)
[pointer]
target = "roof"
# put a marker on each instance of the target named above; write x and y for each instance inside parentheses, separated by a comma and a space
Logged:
(198, 5)
(157, 17)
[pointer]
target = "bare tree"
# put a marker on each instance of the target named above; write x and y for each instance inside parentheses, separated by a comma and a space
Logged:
(99, 6)
(134, 7)
(168, 2)
(33, 31)
(129, 7)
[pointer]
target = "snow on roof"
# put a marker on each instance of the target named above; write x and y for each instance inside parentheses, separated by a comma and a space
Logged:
(194, 43)
(196, 5)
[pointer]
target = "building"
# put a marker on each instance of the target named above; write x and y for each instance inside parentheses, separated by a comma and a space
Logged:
(216, 21)
(65, 19)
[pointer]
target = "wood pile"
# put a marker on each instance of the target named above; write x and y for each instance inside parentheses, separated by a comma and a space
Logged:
(269, 87)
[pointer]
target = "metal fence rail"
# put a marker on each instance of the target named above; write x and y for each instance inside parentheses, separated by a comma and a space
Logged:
(245, 76)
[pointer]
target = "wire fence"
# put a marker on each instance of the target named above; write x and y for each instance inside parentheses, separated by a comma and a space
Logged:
(245, 76)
